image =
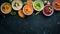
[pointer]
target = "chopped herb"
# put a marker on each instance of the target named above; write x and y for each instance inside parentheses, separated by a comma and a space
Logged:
(25, 3)
(38, 4)
(56, 5)
(49, 9)
(13, 12)
(16, 4)
(27, 10)
(10, 1)
(3, 7)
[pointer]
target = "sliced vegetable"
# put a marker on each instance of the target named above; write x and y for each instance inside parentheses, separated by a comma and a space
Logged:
(21, 14)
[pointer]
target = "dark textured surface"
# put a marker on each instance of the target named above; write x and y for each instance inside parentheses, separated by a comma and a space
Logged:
(34, 24)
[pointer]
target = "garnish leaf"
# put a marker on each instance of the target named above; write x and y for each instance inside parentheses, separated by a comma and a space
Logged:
(13, 12)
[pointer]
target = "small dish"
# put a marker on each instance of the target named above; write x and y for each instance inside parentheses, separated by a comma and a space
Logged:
(17, 4)
(5, 8)
(38, 5)
(27, 9)
(48, 10)
(56, 4)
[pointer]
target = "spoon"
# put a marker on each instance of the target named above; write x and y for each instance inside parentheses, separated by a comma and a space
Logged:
(37, 13)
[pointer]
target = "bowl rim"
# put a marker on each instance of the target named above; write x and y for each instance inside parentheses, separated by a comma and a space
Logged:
(3, 11)
(49, 14)
(25, 13)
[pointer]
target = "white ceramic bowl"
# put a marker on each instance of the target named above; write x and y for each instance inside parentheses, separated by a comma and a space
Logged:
(3, 11)
(17, 7)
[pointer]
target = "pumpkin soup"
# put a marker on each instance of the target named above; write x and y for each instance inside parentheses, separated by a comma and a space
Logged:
(5, 8)
(28, 10)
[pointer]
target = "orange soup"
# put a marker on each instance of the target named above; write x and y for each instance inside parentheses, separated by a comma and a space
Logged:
(6, 8)
(56, 5)
(28, 10)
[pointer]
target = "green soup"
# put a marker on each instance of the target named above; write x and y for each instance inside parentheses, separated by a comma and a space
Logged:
(38, 5)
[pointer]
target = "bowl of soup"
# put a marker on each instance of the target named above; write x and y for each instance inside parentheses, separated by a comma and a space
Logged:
(17, 4)
(56, 4)
(5, 8)
(38, 5)
(27, 9)
(48, 10)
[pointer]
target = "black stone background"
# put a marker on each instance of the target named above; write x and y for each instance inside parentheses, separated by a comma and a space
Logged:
(34, 24)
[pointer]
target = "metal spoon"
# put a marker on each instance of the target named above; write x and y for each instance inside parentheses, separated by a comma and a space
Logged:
(37, 13)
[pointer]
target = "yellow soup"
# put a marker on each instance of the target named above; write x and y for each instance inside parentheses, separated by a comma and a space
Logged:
(6, 8)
